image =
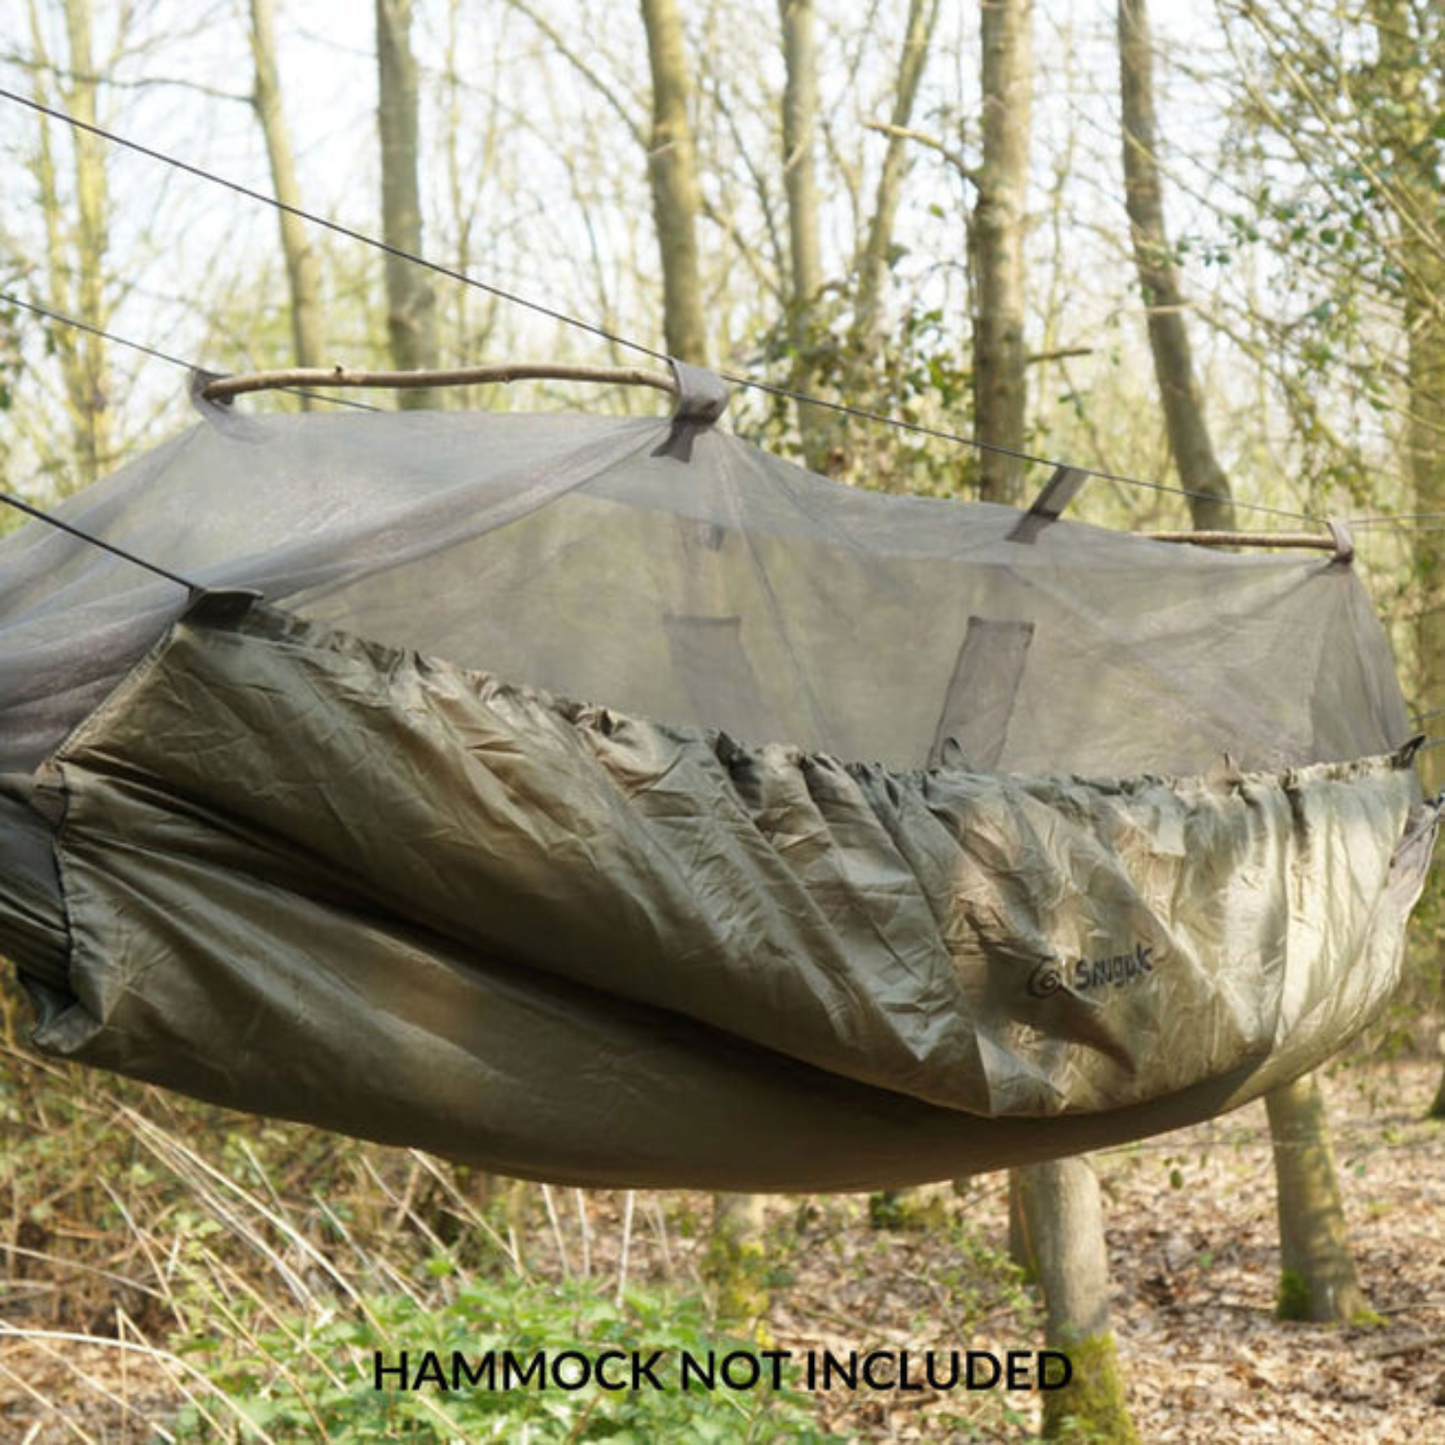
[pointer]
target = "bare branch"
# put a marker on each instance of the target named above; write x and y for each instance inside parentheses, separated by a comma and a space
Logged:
(928, 142)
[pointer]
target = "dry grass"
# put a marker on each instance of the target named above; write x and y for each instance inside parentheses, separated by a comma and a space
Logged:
(161, 1257)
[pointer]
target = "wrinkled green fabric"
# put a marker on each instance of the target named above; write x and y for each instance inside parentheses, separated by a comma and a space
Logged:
(312, 876)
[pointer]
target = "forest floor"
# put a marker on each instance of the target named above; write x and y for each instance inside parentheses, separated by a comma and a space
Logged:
(1193, 1249)
(1194, 1259)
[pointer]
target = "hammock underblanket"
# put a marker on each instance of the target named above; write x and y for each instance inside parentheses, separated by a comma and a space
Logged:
(527, 932)
(887, 845)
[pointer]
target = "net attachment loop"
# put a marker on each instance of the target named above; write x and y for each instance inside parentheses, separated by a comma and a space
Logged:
(1060, 489)
(1064, 484)
(702, 395)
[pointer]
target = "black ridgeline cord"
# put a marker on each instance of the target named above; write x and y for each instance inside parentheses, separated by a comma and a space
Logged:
(12, 300)
(42, 516)
(513, 298)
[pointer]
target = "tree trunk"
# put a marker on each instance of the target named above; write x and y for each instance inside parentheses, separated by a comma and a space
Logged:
(672, 170)
(816, 426)
(1210, 504)
(735, 1263)
(92, 195)
(78, 253)
(1061, 1223)
(996, 244)
(1403, 134)
(1416, 197)
(1056, 1223)
(1317, 1273)
(1313, 1239)
(303, 272)
(410, 300)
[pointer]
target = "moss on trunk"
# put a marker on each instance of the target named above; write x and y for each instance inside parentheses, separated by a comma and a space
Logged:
(1092, 1405)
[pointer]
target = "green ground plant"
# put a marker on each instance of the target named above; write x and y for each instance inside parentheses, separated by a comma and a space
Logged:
(317, 1377)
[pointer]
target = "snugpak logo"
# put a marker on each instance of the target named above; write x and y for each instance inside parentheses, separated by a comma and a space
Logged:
(1083, 974)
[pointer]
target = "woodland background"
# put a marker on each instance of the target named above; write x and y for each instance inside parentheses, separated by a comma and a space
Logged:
(1206, 259)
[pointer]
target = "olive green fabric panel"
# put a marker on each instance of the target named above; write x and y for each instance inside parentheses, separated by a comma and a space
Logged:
(312, 876)
(32, 927)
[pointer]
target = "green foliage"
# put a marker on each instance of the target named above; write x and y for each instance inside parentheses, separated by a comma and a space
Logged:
(1335, 143)
(917, 373)
(908, 1209)
(314, 1378)
(982, 1281)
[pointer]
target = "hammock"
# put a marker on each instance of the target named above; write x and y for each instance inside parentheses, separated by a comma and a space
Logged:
(609, 802)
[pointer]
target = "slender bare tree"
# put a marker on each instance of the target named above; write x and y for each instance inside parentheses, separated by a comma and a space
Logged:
(1210, 502)
(410, 300)
(1062, 1221)
(735, 1254)
(1318, 1273)
(1404, 127)
(303, 269)
(1317, 1268)
(996, 246)
(872, 263)
(75, 274)
(1056, 1208)
(800, 185)
(672, 171)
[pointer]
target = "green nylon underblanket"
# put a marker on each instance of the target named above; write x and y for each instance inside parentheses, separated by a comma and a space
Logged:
(313, 877)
